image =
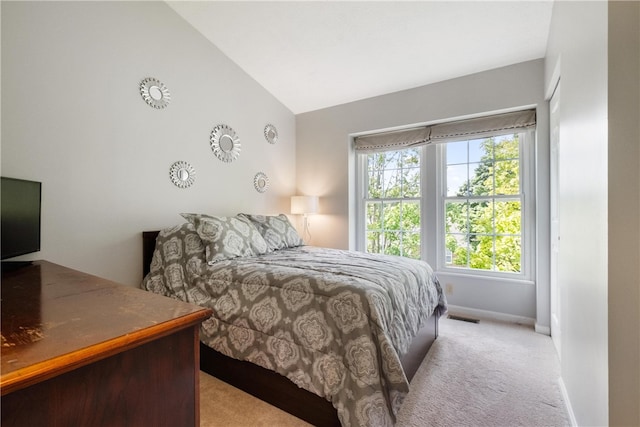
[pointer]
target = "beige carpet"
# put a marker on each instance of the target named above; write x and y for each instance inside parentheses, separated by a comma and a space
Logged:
(222, 405)
(486, 374)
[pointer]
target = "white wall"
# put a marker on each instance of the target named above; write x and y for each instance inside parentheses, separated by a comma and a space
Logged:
(325, 167)
(578, 50)
(597, 58)
(73, 118)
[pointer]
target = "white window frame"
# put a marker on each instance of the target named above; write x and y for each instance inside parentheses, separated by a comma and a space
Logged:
(527, 185)
(362, 184)
(361, 202)
(432, 226)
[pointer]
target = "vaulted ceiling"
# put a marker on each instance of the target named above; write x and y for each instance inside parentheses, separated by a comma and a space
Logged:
(316, 54)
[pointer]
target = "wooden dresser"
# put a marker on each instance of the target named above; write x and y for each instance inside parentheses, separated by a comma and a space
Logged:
(78, 350)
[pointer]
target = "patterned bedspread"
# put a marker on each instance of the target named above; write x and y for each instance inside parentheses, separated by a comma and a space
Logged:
(334, 322)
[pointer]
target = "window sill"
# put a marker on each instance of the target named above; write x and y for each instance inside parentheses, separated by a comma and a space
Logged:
(515, 279)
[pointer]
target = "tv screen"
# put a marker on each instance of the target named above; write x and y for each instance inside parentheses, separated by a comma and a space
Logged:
(20, 212)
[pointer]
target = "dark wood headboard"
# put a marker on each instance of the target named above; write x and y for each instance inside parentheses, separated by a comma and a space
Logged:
(148, 246)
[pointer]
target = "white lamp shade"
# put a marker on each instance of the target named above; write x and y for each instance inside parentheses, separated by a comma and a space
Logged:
(304, 204)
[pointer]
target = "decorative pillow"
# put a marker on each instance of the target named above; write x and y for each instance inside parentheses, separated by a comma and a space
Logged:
(227, 237)
(276, 230)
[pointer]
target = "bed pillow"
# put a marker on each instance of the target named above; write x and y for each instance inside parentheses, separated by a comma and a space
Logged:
(227, 237)
(277, 231)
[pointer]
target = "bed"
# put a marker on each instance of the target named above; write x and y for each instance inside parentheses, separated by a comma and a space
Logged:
(331, 336)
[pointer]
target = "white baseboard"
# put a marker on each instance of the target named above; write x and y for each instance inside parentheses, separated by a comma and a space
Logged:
(567, 403)
(544, 330)
(491, 315)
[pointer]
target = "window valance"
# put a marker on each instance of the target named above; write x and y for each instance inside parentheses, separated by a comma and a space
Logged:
(450, 131)
(396, 140)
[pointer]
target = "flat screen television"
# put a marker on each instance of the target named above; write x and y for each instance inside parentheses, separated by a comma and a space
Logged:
(20, 216)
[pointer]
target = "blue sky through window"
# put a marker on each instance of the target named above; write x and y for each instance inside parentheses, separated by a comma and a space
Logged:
(462, 159)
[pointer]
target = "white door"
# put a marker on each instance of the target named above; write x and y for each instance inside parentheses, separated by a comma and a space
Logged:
(554, 162)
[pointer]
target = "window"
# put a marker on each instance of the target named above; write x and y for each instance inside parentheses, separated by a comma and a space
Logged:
(469, 211)
(483, 204)
(392, 203)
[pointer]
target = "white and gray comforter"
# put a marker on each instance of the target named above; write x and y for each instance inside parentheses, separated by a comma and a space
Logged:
(334, 322)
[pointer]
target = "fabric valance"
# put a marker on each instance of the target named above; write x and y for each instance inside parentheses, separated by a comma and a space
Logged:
(483, 126)
(396, 140)
(449, 131)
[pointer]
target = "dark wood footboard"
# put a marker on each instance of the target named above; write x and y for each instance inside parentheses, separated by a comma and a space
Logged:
(269, 386)
(420, 345)
(278, 390)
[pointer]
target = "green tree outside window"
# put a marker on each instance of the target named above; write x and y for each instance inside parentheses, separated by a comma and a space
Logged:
(393, 203)
(483, 228)
(483, 204)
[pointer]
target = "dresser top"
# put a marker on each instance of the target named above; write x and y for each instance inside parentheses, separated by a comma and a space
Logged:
(55, 319)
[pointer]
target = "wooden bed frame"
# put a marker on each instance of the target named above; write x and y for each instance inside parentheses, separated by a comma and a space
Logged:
(277, 389)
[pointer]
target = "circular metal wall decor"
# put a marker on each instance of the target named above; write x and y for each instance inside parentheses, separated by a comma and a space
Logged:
(182, 174)
(271, 134)
(154, 92)
(225, 143)
(261, 182)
